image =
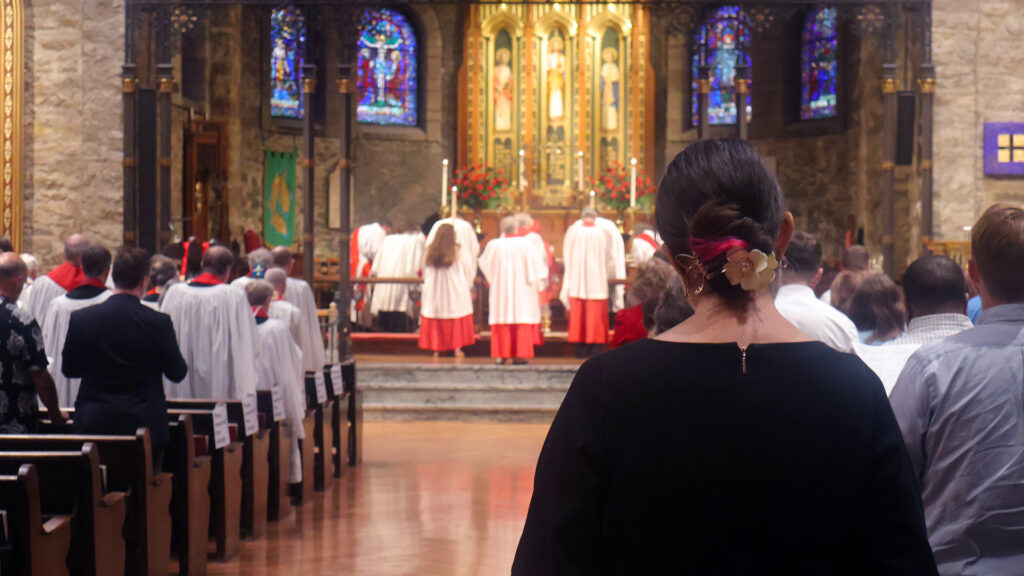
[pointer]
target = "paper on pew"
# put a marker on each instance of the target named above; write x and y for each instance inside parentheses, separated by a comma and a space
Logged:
(321, 386)
(277, 399)
(221, 431)
(886, 361)
(339, 387)
(251, 414)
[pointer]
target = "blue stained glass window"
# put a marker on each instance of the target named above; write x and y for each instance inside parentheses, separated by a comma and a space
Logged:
(287, 45)
(724, 39)
(818, 65)
(386, 69)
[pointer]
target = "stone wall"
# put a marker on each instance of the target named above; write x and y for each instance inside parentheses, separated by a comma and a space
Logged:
(72, 143)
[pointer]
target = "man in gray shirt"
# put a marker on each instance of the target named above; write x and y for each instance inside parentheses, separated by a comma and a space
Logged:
(960, 404)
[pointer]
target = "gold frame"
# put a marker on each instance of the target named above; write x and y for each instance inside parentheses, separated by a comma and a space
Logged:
(12, 28)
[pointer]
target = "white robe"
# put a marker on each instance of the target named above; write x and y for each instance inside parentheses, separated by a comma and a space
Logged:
(25, 295)
(311, 340)
(618, 300)
(44, 292)
(55, 332)
(641, 250)
(217, 336)
(447, 292)
(241, 282)
(370, 237)
(279, 363)
(400, 256)
(290, 315)
(589, 256)
(515, 271)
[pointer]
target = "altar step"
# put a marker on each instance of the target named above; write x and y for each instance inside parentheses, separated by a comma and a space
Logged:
(463, 393)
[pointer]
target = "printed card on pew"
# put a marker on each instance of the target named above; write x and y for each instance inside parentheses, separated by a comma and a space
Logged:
(339, 387)
(277, 400)
(321, 386)
(221, 432)
(251, 414)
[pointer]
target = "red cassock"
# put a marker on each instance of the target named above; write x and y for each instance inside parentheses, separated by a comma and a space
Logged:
(589, 252)
(515, 270)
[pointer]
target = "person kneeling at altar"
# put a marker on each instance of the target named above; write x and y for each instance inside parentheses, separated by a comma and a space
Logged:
(589, 253)
(447, 315)
(279, 364)
(514, 269)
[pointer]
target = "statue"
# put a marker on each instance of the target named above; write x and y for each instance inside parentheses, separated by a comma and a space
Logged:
(502, 91)
(610, 89)
(555, 66)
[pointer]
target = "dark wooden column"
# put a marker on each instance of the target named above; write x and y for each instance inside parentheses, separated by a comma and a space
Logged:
(309, 166)
(888, 164)
(927, 83)
(343, 297)
(129, 83)
(742, 80)
(165, 81)
(703, 98)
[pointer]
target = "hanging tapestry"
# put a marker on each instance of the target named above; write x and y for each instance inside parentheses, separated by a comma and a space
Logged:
(279, 198)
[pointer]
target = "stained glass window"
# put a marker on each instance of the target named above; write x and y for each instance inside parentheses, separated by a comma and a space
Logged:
(387, 69)
(722, 41)
(818, 65)
(287, 45)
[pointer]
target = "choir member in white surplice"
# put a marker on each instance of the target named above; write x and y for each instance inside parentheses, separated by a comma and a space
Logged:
(216, 332)
(281, 309)
(279, 364)
(60, 280)
(298, 292)
(618, 293)
(530, 229)
(363, 248)
(33, 271)
(162, 273)
(448, 272)
(514, 269)
(260, 260)
(400, 256)
(92, 291)
(645, 244)
(589, 254)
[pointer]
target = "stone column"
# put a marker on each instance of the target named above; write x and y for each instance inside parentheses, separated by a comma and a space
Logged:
(703, 98)
(165, 81)
(309, 165)
(129, 84)
(742, 80)
(343, 297)
(888, 164)
(927, 84)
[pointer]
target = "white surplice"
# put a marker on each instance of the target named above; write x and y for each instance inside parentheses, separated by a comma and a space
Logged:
(643, 247)
(590, 262)
(447, 292)
(311, 340)
(241, 282)
(515, 270)
(44, 292)
(55, 332)
(217, 336)
(279, 363)
(290, 315)
(400, 256)
(369, 238)
(618, 299)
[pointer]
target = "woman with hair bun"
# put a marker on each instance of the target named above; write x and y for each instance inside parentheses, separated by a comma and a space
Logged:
(732, 443)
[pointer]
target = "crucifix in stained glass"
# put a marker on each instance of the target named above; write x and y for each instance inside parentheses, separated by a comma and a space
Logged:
(386, 65)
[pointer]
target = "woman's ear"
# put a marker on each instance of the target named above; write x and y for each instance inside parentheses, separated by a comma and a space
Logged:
(672, 259)
(785, 234)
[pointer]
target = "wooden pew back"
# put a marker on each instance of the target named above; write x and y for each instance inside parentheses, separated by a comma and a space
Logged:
(33, 547)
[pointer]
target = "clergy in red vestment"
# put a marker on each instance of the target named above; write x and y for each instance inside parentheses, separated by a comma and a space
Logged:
(589, 255)
(446, 319)
(363, 248)
(514, 269)
(60, 280)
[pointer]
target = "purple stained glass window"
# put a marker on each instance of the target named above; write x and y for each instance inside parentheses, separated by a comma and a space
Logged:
(723, 39)
(818, 65)
(287, 45)
(386, 65)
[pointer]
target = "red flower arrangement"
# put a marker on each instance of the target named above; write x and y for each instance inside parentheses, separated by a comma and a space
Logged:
(612, 188)
(480, 186)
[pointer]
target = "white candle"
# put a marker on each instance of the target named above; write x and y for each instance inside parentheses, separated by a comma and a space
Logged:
(444, 182)
(593, 196)
(522, 170)
(632, 183)
(455, 202)
(579, 170)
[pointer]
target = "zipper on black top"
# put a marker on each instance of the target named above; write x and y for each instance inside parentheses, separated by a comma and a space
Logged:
(743, 358)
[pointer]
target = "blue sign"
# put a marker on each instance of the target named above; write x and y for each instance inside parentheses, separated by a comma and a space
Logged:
(1004, 149)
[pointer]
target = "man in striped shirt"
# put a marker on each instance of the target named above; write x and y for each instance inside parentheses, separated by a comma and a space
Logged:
(936, 297)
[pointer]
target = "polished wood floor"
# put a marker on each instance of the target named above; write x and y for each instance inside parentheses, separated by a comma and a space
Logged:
(430, 499)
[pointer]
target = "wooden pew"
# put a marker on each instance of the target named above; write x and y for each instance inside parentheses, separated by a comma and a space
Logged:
(322, 437)
(354, 412)
(225, 484)
(279, 459)
(255, 464)
(191, 500)
(34, 547)
(339, 422)
(129, 464)
(70, 485)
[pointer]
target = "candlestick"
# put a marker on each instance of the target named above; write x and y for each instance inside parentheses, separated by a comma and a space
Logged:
(632, 183)
(593, 197)
(455, 202)
(522, 170)
(444, 182)
(579, 170)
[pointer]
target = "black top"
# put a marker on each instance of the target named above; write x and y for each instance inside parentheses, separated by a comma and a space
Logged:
(21, 354)
(86, 292)
(121, 349)
(667, 458)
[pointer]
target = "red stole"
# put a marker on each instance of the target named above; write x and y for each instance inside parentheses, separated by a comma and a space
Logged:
(649, 240)
(184, 261)
(259, 312)
(206, 278)
(67, 276)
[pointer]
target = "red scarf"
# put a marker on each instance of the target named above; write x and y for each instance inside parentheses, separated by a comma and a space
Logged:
(259, 312)
(648, 239)
(207, 278)
(93, 282)
(151, 292)
(589, 223)
(67, 276)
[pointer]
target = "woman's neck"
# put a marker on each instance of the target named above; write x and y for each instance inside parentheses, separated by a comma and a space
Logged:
(714, 321)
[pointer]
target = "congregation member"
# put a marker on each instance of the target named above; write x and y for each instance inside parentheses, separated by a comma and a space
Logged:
(260, 260)
(215, 331)
(92, 291)
(446, 322)
(877, 310)
(935, 296)
(60, 280)
(588, 251)
(24, 380)
(281, 309)
(974, 308)
(673, 308)
(33, 271)
(644, 245)
(300, 294)
(514, 270)
(732, 443)
(400, 256)
(363, 248)
(636, 320)
(162, 273)
(798, 304)
(959, 405)
(844, 287)
(122, 350)
(856, 260)
(279, 364)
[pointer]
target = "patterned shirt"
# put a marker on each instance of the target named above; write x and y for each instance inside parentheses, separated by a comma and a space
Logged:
(932, 328)
(21, 354)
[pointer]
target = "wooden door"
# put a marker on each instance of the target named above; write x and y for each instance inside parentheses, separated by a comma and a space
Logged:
(205, 195)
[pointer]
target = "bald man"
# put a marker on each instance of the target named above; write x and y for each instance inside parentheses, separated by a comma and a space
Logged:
(300, 295)
(215, 330)
(60, 280)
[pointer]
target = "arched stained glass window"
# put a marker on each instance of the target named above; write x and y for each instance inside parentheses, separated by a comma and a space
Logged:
(818, 65)
(386, 65)
(723, 40)
(287, 45)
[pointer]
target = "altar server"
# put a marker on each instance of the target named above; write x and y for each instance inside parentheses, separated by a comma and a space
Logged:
(363, 248)
(279, 364)
(60, 280)
(281, 309)
(216, 332)
(589, 252)
(645, 244)
(514, 269)
(95, 267)
(448, 274)
(162, 273)
(299, 293)
(400, 256)
(260, 260)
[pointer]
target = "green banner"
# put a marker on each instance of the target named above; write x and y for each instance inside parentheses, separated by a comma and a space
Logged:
(279, 198)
